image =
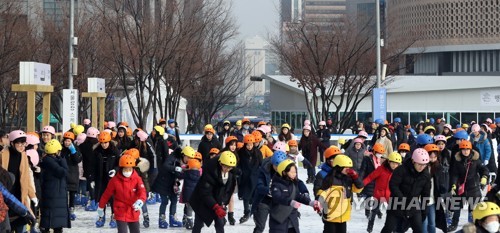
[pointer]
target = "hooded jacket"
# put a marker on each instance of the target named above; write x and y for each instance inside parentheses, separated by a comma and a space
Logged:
(476, 171)
(483, 146)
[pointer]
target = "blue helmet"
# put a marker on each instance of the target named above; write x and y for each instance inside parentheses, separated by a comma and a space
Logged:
(397, 120)
(497, 120)
(170, 121)
(432, 121)
(462, 134)
(278, 157)
(379, 121)
(424, 139)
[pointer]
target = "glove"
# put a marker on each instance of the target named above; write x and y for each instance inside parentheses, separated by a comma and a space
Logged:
(453, 190)
(178, 169)
(486, 162)
(295, 204)
(100, 212)
(483, 181)
(316, 206)
(112, 173)
(219, 211)
(138, 205)
(29, 218)
(72, 149)
(352, 173)
(35, 201)
(92, 184)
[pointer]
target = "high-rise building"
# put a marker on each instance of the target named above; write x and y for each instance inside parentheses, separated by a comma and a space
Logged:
(255, 61)
(324, 12)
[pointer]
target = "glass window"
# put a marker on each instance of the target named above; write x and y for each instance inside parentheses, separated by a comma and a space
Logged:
(364, 117)
(467, 117)
(435, 115)
(452, 118)
(497, 114)
(402, 115)
(287, 117)
(388, 116)
(352, 119)
(484, 115)
(416, 117)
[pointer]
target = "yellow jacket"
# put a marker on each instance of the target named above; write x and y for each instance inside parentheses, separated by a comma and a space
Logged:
(266, 152)
(336, 200)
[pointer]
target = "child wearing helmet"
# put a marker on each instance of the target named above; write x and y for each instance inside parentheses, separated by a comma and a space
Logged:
(381, 176)
(486, 217)
(106, 157)
(72, 156)
(208, 141)
(54, 211)
(468, 175)
(285, 133)
(213, 192)
(250, 159)
(295, 155)
(259, 144)
(231, 145)
(191, 177)
(128, 193)
(479, 139)
(408, 184)
(342, 182)
(403, 149)
(287, 199)
(325, 168)
(356, 152)
(142, 168)
(323, 133)
(371, 162)
(122, 140)
(309, 144)
(89, 165)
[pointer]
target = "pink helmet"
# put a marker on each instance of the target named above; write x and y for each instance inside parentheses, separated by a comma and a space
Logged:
(280, 146)
(363, 133)
(358, 140)
(33, 155)
(265, 128)
(307, 127)
(440, 138)
(32, 139)
(489, 121)
(111, 124)
(92, 132)
(86, 121)
(475, 128)
(80, 138)
(16, 134)
(448, 126)
(420, 155)
(49, 129)
(143, 136)
(307, 122)
(323, 123)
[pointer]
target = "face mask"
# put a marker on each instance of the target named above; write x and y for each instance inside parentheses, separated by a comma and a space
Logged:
(127, 174)
(246, 126)
(492, 227)
(403, 154)
(378, 155)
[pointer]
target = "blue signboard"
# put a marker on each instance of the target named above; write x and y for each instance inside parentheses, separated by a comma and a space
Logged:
(379, 101)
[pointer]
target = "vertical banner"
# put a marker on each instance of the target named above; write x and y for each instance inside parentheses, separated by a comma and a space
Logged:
(70, 108)
(379, 104)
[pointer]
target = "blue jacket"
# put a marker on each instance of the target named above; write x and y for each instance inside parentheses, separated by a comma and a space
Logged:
(191, 178)
(12, 202)
(483, 145)
(318, 181)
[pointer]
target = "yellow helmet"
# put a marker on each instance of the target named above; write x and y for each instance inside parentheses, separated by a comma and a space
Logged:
(285, 126)
(283, 165)
(342, 161)
(485, 209)
(189, 152)
(52, 147)
(238, 123)
(227, 158)
(341, 141)
(78, 129)
(160, 130)
(208, 126)
(395, 157)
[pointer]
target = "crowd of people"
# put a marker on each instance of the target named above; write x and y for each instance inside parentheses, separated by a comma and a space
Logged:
(421, 176)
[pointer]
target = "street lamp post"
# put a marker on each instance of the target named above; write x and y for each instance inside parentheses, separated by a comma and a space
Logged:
(377, 9)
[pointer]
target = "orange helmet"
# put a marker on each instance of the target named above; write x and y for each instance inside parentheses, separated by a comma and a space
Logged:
(198, 156)
(293, 143)
(245, 121)
(162, 121)
(134, 153)
(127, 161)
(129, 132)
(239, 145)
(69, 135)
(194, 163)
(104, 137)
(331, 151)
(257, 136)
(213, 151)
(464, 144)
(249, 138)
(34, 134)
(404, 146)
(230, 138)
(261, 123)
(124, 123)
(379, 148)
(431, 147)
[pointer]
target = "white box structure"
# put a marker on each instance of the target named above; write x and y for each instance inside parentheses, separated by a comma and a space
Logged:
(96, 85)
(70, 108)
(34, 73)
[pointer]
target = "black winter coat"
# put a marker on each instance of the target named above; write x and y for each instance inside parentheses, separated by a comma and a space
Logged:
(191, 178)
(400, 134)
(367, 167)
(88, 159)
(164, 182)
(262, 192)
(476, 171)
(54, 204)
(249, 163)
(405, 185)
(211, 190)
(107, 160)
(441, 189)
(324, 136)
(73, 170)
(161, 151)
(122, 143)
(281, 191)
(205, 146)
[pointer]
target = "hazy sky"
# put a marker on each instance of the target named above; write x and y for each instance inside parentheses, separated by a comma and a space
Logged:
(256, 17)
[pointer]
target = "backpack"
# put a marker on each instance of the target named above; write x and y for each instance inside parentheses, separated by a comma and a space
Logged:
(4, 209)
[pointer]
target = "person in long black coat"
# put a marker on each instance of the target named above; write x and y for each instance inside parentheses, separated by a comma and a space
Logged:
(89, 168)
(160, 153)
(250, 159)
(213, 192)
(73, 157)
(107, 157)
(208, 141)
(54, 204)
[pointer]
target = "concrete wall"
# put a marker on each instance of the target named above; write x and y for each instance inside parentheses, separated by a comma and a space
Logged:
(283, 99)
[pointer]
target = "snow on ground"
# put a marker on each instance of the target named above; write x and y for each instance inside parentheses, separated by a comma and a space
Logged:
(309, 222)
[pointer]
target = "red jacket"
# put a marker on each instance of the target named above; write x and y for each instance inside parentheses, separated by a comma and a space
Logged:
(381, 176)
(126, 191)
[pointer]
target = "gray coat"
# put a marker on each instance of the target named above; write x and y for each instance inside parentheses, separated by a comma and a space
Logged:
(356, 155)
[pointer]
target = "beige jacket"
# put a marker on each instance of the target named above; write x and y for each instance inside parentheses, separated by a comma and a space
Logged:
(26, 179)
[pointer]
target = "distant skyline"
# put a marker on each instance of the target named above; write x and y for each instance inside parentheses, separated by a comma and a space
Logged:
(256, 17)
